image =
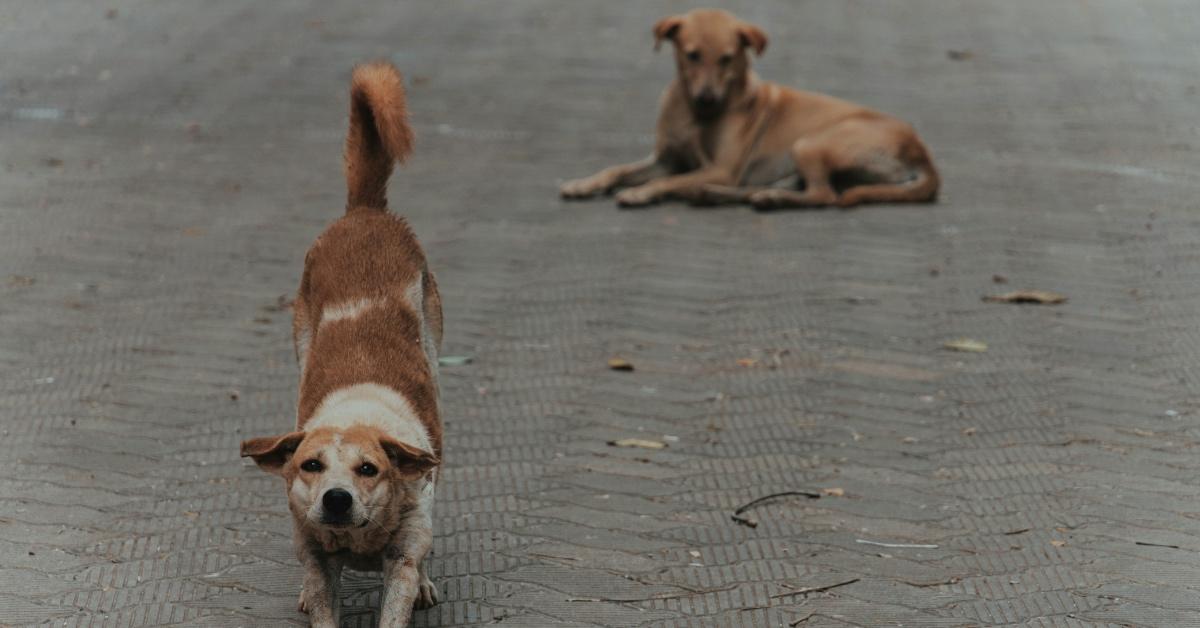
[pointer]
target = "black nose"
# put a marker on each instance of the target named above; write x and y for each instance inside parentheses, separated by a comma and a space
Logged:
(706, 105)
(337, 501)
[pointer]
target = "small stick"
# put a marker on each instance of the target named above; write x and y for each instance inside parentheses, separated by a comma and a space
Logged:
(911, 545)
(1149, 544)
(666, 596)
(807, 590)
(747, 521)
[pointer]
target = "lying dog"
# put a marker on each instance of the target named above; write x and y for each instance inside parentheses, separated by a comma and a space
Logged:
(724, 136)
(362, 464)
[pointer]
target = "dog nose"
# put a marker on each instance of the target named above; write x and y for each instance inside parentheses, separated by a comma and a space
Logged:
(337, 501)
(706, 98)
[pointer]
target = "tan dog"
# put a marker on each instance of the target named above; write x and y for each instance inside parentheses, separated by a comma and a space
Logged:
(362, 464)
(724, 136)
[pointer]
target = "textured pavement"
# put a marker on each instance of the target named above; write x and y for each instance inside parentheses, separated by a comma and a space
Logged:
(164, 166)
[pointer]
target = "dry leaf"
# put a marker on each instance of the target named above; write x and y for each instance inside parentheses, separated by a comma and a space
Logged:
(618, 364)
(999, 279)
(21, 281)
(834, 492)
(1041, 297)
(909, 439)
(1058, 543)
(637, 442)
(970, 431)
(968, 345)
(193, 231)
(959, 55)
(747, 362)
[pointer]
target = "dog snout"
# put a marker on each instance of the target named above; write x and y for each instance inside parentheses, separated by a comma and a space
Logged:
(337, 502)
(707, 98)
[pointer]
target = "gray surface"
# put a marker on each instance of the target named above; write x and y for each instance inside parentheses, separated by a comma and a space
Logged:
(200, 146)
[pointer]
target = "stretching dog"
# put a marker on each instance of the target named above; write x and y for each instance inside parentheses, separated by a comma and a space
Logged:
(362, 464)
(724, 136)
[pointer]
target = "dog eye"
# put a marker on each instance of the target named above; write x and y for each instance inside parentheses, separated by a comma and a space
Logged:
(368, 470)
(313, 466)
(693, 55)
(726, 59)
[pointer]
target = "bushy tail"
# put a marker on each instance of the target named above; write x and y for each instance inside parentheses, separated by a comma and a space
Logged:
(379, 133)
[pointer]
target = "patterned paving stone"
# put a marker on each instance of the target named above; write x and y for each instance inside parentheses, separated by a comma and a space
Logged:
(164, 166)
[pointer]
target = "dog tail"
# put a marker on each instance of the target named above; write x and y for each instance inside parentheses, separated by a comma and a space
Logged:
(923, 188)
(379, 133)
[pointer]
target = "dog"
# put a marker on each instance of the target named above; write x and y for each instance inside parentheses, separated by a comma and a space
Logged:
(725, 136)
(361, 466)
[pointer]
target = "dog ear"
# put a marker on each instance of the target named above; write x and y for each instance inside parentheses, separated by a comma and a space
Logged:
(752, 37)
(272, 452)
(408, 460)
(666, 28)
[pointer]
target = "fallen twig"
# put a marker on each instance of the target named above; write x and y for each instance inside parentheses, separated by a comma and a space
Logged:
(669, 596)
(1149, 544)
(807, 590)
(897, 545)
(747, 521)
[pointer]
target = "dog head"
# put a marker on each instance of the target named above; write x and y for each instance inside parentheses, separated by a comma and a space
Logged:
(342, 478)
(710, 54)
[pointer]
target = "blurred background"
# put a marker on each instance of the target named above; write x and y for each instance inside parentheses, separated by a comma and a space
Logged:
(165, 165)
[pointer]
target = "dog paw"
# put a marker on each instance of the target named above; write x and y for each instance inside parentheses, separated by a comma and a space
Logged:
(302, 605)
(578, 188)
(634, 197)
(427, 595)
(767, 199)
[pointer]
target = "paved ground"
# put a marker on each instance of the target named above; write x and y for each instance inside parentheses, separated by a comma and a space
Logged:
(163, 169)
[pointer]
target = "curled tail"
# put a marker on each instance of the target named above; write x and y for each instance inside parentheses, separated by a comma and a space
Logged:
(379, 133)
(922, 188)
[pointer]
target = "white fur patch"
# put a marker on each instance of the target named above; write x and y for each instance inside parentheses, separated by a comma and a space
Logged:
(375, 405)
(349, 309)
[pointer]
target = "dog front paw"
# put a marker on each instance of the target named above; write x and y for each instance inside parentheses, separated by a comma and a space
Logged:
(302, 605)
(427, 595)
(634, 197)
(765, 199)
(578, 188)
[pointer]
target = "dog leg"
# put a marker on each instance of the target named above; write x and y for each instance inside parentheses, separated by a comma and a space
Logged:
(427, 595)
(606, 180)
(679, 186)
(715, 194)
(319, 593)
(811, 159)
(403, 578)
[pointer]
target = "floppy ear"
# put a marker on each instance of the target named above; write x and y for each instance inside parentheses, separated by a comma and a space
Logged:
(666, 28)
(407, 459)
(752, 37)
(272, 452)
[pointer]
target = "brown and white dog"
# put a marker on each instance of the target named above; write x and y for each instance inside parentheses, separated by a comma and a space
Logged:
(725, 136)
(362, 464)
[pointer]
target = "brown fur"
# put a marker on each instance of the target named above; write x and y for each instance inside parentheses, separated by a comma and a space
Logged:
(368, 254)
(726, 136)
